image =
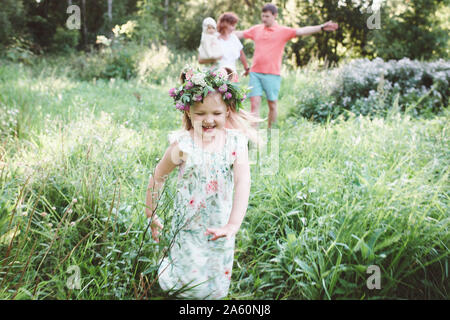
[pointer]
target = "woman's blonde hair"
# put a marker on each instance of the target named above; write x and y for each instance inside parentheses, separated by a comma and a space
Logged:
(241, 120)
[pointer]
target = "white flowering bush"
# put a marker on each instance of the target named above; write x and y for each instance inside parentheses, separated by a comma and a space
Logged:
(373, 87)
(368, 87)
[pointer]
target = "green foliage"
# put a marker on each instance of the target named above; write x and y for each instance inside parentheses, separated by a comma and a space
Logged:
(346, 194)
(19, 50)
(415, 33)
(65, 40)
(11, 19)
(365, 87)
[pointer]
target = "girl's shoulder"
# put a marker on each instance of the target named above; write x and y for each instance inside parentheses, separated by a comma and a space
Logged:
(237, 135)
(182, 138)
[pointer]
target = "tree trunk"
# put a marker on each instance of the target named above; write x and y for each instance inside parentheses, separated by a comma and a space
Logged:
(84, 28)
(166, 12)
(110, 4)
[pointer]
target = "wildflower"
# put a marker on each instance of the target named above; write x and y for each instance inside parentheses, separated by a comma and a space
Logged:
(74, 200)
(198, 97)
(228, 95)
(199, 79)
(188, 85)
(189, 74)
(43, 214)
(72, 223)
(181, 106)
(172, 92)
(223, 88)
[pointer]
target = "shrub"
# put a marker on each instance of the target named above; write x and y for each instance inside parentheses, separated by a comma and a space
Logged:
(373, 87)
(368, 87)
(65, 40)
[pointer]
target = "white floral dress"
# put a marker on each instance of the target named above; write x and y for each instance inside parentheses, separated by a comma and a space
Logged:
(204, 200)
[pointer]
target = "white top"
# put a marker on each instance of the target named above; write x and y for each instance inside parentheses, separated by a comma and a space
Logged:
(231, 51)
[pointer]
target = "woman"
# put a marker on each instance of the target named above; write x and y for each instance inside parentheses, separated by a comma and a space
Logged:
(231, 45)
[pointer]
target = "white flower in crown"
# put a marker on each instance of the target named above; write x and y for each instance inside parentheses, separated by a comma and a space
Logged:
(199, 79)
(222, 73)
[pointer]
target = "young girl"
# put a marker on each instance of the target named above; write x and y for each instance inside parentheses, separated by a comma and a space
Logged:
(210, 48)
(213, 184)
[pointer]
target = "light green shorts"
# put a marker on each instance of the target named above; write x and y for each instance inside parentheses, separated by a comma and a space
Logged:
(269, 83)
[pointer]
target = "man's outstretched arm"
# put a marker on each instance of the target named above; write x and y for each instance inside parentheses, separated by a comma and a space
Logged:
(239, 34)
(306, 31)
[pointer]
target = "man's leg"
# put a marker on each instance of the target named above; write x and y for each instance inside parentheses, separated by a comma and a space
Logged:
(272, 112)
(271, 85)
(255, 103)
(255, 94)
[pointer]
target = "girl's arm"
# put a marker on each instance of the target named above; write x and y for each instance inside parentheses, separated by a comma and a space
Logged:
(241, 171)
(172, 157)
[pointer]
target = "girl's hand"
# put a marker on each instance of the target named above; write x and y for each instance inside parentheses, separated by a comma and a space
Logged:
(156, 226)
(226, 231)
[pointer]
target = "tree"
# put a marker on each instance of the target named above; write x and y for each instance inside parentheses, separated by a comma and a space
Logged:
(410, 29)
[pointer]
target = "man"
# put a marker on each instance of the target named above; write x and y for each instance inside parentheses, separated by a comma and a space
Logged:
(270, 39)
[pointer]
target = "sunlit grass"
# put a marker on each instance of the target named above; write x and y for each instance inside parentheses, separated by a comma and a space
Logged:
(347, 194)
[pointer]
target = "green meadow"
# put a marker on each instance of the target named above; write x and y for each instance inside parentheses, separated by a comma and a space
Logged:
(328, 200)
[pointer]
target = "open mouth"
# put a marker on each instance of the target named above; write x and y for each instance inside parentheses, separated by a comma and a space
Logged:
(208, 128)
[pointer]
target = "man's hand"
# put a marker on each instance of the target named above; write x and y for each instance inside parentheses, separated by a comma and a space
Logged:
(330, 26)
(226, 231)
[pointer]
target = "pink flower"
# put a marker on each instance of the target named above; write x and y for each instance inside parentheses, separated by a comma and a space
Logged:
(189, 74)
(212, 187)
(181, 106)
(172, 92)
(228, 95)
(233, 153)
(198, 97)
(223, 88)
(188, 85)
(192, 202)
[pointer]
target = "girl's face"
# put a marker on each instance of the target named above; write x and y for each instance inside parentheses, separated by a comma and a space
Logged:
(210, 116)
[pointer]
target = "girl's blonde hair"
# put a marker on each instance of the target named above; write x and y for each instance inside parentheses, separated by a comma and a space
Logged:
(241, 120)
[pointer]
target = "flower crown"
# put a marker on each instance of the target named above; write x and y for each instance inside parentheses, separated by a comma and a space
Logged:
(197, 84)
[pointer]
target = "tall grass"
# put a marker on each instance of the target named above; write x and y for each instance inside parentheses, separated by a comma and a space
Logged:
(74, 167)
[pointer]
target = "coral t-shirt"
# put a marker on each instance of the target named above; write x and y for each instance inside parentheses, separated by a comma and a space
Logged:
(269, 46)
